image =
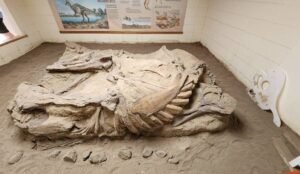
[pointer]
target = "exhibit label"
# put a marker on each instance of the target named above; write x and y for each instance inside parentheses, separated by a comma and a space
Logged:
(120, 16)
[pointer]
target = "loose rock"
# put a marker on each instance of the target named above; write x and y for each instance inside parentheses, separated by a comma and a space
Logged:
(147, 152)
(173, 160)
(161, 153)
(187, 148)
(15, 157)
(86, 155)
(71, 156)
(125, 154)
(54, 154)
(97, 158)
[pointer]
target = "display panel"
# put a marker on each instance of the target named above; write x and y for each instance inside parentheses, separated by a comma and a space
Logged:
(119, 16)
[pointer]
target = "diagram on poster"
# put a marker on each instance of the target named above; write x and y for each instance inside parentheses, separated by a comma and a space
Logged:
(120, 16)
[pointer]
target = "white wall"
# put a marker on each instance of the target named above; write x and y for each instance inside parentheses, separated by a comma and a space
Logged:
(290, 100)
(14, 9)
(253, 35)
(47, 26)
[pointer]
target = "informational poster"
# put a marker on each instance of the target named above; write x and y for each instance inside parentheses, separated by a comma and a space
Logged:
(119, 16)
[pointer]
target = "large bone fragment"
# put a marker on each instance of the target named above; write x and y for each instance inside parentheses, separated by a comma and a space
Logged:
(208, 99)
(153, 103)
(31, 96)
(81, 59)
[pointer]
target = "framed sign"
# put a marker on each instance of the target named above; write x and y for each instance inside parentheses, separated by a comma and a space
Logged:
(119, 16)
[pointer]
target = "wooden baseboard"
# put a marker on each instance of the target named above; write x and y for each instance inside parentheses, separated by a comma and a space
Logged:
(13, 39)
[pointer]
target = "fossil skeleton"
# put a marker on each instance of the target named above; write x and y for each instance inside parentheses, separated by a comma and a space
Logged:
(89, 93)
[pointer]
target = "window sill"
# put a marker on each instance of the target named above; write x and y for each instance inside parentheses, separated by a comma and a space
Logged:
(12, 39)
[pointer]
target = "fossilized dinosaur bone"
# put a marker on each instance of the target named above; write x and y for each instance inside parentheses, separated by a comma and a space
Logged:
(80, 59)
(165, 93)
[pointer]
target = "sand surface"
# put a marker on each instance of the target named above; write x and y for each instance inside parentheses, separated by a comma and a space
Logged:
(245, 148)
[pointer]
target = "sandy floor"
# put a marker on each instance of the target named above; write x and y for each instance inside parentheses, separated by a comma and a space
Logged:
(244, 148)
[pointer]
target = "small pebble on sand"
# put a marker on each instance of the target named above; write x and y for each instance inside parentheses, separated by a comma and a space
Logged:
(71, 156)
(15, 157)
(147, 152)
(173, 160)
(161, 153)
(98, 157)
(125, 154)
(86, 155)
(54, 154)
